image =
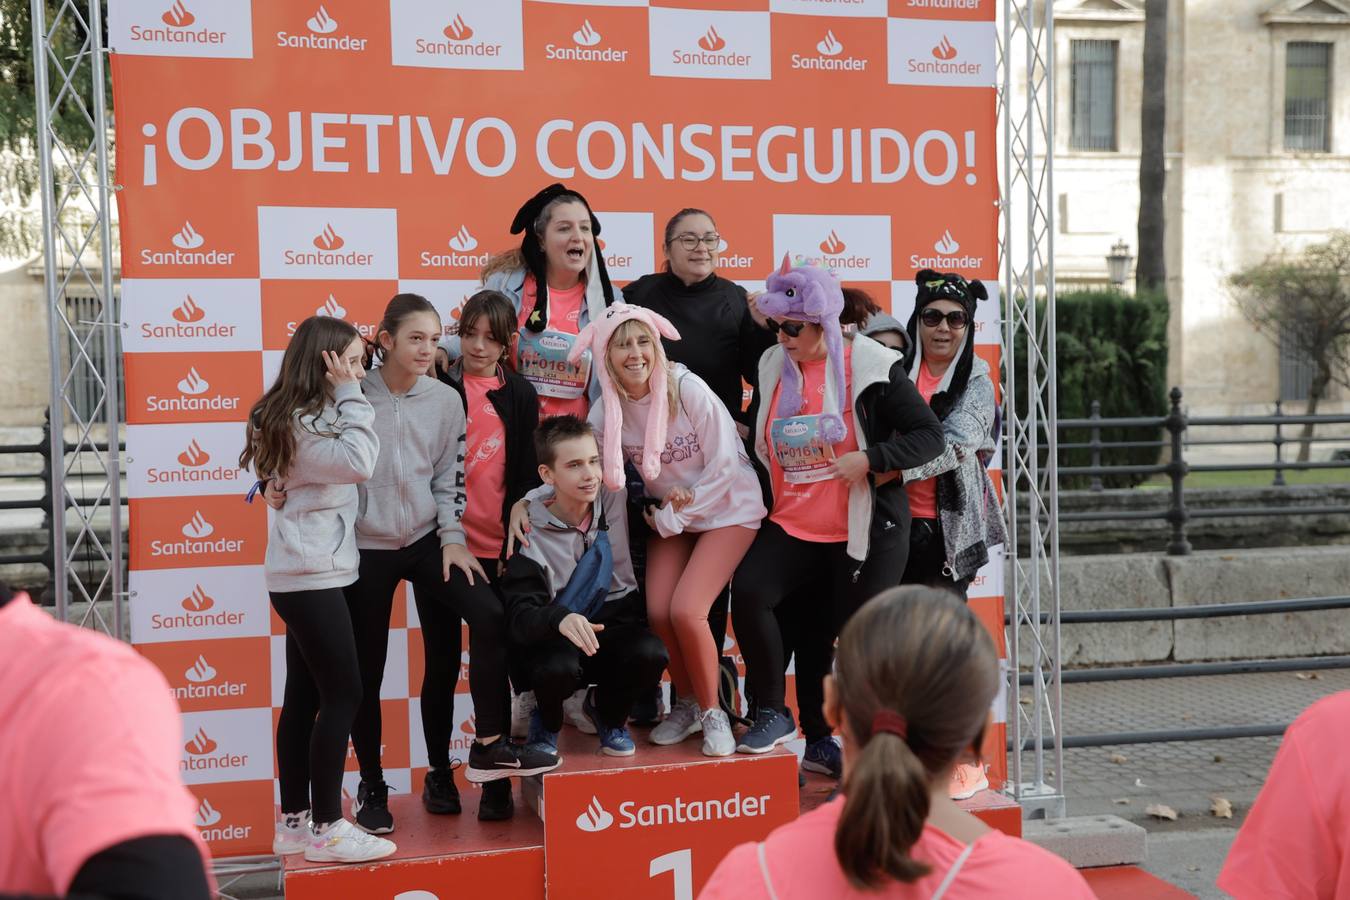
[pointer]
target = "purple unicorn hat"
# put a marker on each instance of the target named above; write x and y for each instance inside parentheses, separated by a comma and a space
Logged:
(810, 294)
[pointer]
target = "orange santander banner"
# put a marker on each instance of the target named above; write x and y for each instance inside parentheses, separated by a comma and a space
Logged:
(287, 158)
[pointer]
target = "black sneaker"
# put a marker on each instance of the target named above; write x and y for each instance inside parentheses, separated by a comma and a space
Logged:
(371, 808)
(496, 804)
(439, 794)
(503, 759)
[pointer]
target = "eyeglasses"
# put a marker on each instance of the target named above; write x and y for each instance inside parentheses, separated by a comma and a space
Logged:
(956, 319)
(791, 329)
(691, 241)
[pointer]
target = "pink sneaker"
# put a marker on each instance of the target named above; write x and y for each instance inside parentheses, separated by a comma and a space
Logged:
(967, 781)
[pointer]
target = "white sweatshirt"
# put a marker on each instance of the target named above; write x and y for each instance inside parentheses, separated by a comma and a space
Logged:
(703, 453)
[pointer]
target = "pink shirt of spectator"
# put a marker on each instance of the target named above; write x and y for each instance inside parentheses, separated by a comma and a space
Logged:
(801, 864)
(1296, 840)
(90, 741)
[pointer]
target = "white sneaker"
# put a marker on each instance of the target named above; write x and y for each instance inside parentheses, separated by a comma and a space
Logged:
(682, 722)
(343, 842)
(717, 738)
(574, 714)
(292, 835)
(967, 781)
(521, 707)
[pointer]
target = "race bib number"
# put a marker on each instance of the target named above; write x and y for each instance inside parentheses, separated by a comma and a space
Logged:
(802, 453)
(543, 361)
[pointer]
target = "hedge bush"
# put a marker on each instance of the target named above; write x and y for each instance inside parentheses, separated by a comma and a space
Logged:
(1112, 347)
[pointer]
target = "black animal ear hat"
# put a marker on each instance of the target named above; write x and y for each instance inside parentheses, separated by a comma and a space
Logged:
(536, 263)
(947, 286)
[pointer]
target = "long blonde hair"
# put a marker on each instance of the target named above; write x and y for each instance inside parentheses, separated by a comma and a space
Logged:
(622, 334)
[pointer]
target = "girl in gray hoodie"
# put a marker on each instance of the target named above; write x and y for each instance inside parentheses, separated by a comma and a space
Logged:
(313, 432)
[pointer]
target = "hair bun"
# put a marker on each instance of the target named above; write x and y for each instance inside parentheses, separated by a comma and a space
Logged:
(977, 290)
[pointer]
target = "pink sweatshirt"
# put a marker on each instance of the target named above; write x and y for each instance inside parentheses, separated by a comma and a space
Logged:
(703, 453)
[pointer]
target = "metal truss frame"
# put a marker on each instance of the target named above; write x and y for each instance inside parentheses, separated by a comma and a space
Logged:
(1026, 118)
(75, 185)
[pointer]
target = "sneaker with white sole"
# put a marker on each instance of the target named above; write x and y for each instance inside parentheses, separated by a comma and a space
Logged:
(521, 706)
(292, 834)
(370, 809)
(343, 842)
(967, 781)
(683, 721)
(717, 737)
(503, 759)
(574, 712)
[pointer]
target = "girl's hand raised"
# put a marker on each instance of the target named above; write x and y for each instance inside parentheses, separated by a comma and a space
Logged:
(339, 370)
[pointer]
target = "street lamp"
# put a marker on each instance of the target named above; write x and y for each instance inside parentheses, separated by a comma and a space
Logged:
(1118, 262)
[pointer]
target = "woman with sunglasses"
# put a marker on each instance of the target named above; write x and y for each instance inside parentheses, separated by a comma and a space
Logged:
(837, 423)
(956, 516)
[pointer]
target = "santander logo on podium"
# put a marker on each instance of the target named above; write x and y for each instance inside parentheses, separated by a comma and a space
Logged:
(594, 817)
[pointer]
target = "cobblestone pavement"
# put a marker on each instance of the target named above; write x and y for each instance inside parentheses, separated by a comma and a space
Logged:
(1124, 780)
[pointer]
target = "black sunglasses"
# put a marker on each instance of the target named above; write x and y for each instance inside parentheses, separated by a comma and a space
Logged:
(791, 329)
(956, 319)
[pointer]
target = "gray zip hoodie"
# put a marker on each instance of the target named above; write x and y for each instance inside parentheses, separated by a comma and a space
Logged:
(556, 546)
(418, 483)
(310, 545)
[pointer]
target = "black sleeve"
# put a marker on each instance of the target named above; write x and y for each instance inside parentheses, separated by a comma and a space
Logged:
(531, 615)
(915, 432)
(158, 867)
(528, 410)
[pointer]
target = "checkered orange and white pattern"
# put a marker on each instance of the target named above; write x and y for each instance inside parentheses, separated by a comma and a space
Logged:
(291, 158)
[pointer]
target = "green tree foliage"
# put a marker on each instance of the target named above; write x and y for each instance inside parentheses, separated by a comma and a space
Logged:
(1305, 297)
(71, 117)
(1111, 347)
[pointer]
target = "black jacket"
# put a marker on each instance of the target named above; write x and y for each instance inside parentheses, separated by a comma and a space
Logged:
(517, 405)
(719, 340)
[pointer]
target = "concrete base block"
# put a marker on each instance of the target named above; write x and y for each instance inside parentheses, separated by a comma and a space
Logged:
(1088, 841)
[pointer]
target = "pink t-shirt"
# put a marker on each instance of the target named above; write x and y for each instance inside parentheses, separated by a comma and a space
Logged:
(801, 864)
(90, 740)
(484, 470)
(807, 503)
(1296, 840)
(923, 494)
(564, 317)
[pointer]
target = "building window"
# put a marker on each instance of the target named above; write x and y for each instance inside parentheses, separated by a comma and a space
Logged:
(85, 390)
(1307, 96)
(1092, 95)
(1296, 369)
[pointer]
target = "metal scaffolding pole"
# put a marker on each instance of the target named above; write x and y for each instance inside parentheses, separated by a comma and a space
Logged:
(1026, 111)
(86, 540)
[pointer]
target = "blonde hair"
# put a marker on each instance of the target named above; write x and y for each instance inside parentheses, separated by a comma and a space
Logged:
(918, 653)
(621, 334)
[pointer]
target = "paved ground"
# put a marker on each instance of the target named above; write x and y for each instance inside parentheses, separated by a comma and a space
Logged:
(1124, 780)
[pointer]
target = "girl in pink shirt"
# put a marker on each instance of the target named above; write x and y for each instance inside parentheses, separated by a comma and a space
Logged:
(706, 504)
(914, 678)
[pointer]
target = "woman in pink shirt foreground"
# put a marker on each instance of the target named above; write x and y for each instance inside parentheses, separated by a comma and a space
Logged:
(915, 675)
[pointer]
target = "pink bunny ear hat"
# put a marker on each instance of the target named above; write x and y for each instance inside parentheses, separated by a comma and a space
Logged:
(595, 337)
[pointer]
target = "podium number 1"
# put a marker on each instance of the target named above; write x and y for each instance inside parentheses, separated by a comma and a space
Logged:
(679, 864)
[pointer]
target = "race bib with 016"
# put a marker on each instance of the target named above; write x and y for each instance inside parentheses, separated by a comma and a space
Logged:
(802, 454)
(543, 361)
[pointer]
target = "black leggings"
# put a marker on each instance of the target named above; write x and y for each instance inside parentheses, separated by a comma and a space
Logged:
(928, 557)
(627, 665)
(824, 588)
(440, 606)
(323, 691)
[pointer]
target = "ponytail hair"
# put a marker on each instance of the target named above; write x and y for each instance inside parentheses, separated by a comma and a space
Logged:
(916, 673)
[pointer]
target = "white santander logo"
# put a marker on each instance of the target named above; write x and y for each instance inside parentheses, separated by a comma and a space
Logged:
(829, 45)
(463, 241)
(187, 238)
(200, 671)
(198, 527)
(594, 817)
(207, 815)
(331, 308)
(586, 35)
(193, 384)
(321, 22)
(947, 245)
